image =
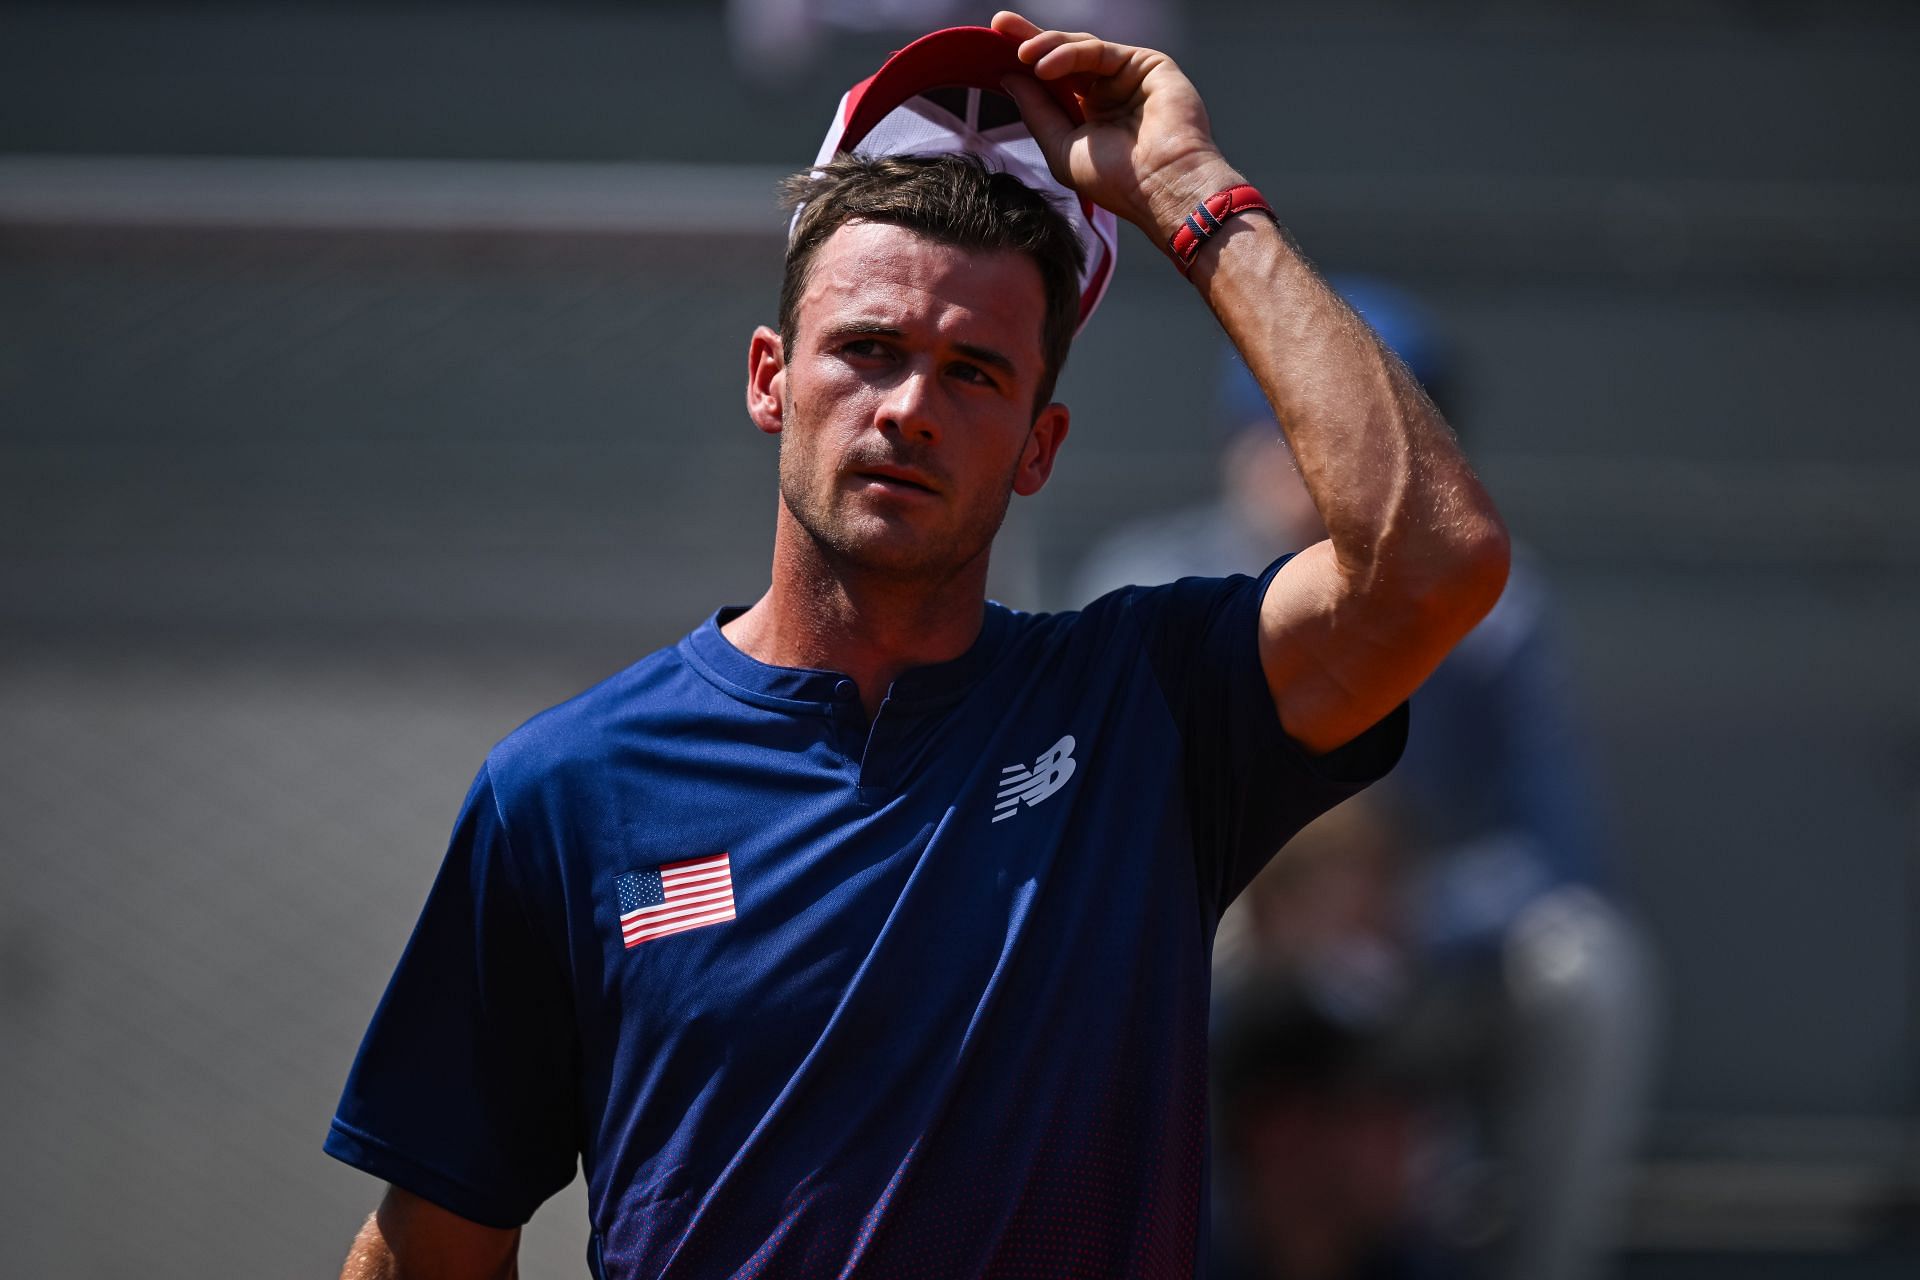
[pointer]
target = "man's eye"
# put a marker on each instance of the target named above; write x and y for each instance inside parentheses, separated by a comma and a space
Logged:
(973, 373)
(861, 347)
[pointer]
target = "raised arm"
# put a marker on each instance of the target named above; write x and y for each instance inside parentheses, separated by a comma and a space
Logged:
(409, 1238)
(1416, 553)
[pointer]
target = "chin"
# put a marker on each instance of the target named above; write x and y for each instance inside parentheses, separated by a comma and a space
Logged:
(899, 557)
(886, 548)
(894, 544)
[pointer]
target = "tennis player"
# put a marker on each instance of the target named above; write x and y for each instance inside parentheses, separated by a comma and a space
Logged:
(865, 931)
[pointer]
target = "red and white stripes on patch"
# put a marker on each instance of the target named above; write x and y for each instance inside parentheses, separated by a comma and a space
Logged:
(690, 895)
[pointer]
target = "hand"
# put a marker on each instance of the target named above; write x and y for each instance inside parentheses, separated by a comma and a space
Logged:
(1146, 150)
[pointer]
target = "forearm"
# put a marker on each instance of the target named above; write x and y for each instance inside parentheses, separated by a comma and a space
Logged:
(1408, 522)
(1402, 508)
(370, 1257)
(1416, 553)
(409, 1238)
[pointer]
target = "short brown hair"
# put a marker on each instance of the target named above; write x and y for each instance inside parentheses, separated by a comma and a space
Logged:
(954, 199)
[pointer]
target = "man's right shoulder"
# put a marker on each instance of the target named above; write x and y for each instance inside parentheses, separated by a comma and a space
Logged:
(575, 739)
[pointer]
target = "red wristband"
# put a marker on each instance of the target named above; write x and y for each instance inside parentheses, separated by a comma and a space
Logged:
(1206, 218)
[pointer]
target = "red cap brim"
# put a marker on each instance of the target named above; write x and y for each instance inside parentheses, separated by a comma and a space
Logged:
(957, 57)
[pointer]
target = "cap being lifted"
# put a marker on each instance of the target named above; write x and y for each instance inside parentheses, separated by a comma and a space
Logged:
(941, 94)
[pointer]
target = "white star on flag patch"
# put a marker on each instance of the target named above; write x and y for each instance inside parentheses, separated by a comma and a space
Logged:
(674, 897)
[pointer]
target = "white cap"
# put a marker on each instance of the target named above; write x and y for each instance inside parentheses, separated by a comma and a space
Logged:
(941, 95)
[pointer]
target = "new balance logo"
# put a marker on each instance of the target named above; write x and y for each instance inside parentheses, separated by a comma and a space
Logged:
(1048, 774)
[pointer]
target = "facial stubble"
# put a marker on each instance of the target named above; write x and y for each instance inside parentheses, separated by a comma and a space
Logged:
(835, 530)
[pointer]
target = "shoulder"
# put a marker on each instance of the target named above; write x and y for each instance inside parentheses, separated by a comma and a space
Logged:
(574, 741)
(1098, 621)
(1187, 598)
(1174, 625)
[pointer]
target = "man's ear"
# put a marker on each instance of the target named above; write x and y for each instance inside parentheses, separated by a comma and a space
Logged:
(766, 381)
(1043, 444)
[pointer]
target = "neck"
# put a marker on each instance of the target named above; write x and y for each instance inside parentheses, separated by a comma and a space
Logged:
(823, 613)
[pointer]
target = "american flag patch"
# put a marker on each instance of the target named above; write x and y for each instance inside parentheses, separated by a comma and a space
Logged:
(674, 897)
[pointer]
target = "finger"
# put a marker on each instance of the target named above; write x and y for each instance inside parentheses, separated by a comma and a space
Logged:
(1050, 126)
(1080, 55)
(1009, 23)
(1122, 87)
(1041, 43)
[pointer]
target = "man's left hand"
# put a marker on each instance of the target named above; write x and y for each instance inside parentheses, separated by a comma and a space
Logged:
(1146, 150)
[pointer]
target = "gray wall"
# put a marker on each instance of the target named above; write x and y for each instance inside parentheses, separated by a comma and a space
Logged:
(293, 526)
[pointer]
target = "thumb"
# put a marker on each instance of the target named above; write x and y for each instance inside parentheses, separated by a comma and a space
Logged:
(1050, 126)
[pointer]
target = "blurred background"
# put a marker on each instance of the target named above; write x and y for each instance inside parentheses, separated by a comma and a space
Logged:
(371, 378)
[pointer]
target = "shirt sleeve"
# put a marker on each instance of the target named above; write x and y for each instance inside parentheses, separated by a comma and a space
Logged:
(1249, 786)
(463, 1091)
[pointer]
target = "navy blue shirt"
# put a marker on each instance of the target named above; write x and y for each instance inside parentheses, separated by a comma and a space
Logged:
(926, 997)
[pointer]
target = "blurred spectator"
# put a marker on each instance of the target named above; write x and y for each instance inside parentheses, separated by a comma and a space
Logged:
(1321, 1132)
(1502, 906)
(1327, 1089)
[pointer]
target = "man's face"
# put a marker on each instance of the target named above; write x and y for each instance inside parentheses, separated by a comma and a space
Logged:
(905, 407)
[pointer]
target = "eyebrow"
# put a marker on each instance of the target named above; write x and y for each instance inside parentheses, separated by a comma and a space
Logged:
(971, 350)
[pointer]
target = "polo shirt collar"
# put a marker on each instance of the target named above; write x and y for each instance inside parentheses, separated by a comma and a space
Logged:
(796, 688)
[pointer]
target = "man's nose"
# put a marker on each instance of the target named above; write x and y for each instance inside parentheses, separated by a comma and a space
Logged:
(907, 407)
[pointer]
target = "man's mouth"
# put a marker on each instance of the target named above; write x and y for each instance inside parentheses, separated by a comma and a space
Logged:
(898, 478)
